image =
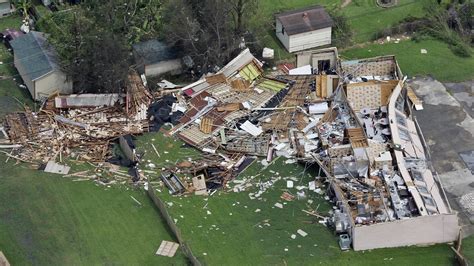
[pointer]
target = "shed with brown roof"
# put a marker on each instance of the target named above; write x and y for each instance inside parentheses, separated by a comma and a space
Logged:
(304, 28)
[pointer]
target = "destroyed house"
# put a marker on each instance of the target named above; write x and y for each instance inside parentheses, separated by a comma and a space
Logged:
(219, 100)
(377, 164)
(357, 123)
(81, 126)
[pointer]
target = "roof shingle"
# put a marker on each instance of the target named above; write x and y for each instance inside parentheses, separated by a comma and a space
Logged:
(304, 20)
(35, 55)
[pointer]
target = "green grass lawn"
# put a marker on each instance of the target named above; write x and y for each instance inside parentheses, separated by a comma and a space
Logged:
(468, 248)
(439, 61)
(51, 220)
(10, 22)
(364, 16)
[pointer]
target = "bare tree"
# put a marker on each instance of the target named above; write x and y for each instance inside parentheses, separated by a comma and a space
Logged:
(203, 30)
(242, 9)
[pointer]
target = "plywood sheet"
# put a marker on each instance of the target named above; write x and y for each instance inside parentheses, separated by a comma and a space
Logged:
(167, 249)
(229, 107)
(199, 183)
(206, 125)
(357, 137)
(214, 79)
(240, 85)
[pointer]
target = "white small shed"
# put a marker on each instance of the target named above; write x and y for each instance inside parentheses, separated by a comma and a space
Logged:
(304, 28)
(155, 58)
(38, 65)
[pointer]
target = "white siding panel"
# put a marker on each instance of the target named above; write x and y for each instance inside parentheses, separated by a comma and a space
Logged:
(163, 67)
(51, 83)
(309, 40)
(421, 230)
(281, 35)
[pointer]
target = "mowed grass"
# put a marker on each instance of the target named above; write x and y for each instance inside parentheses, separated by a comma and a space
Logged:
(468, 248)
(46, 219)
(12, 97)
(439, 62)
(225, 229)
(364, 16)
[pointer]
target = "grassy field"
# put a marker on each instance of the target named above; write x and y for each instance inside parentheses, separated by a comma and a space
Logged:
(224, 229)
(364, 16)
(50, 220)
(439, 61)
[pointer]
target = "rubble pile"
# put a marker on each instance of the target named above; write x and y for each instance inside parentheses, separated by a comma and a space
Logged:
(65, 127)
(353, 119)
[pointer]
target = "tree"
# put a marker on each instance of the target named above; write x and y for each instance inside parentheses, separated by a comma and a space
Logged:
(204, 30)
(94, 39)
(24, 7)
(341, 29)
(242, 9)
(94, 58)
(451, 24)
(136, 20)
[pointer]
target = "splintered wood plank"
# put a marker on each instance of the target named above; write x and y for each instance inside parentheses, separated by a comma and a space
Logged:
(318, 86)
(324, 86)
(229, 107)
(240, 85)
(214, 79)
(357, 137)
(414, 99)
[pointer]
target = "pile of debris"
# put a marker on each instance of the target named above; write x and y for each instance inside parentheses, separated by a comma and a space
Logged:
(239, 111)
(355, 121)
(80, 127)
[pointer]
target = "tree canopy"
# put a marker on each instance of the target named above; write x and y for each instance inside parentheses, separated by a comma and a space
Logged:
(94, 39)
(209, 31)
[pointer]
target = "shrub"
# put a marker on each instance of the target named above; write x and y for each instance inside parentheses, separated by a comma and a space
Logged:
(461, 49)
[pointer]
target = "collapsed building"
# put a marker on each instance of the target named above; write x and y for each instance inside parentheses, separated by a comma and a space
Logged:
(353, 118)
(79, 126)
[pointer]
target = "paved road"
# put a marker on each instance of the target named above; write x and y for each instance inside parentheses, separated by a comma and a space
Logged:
(448, 127)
